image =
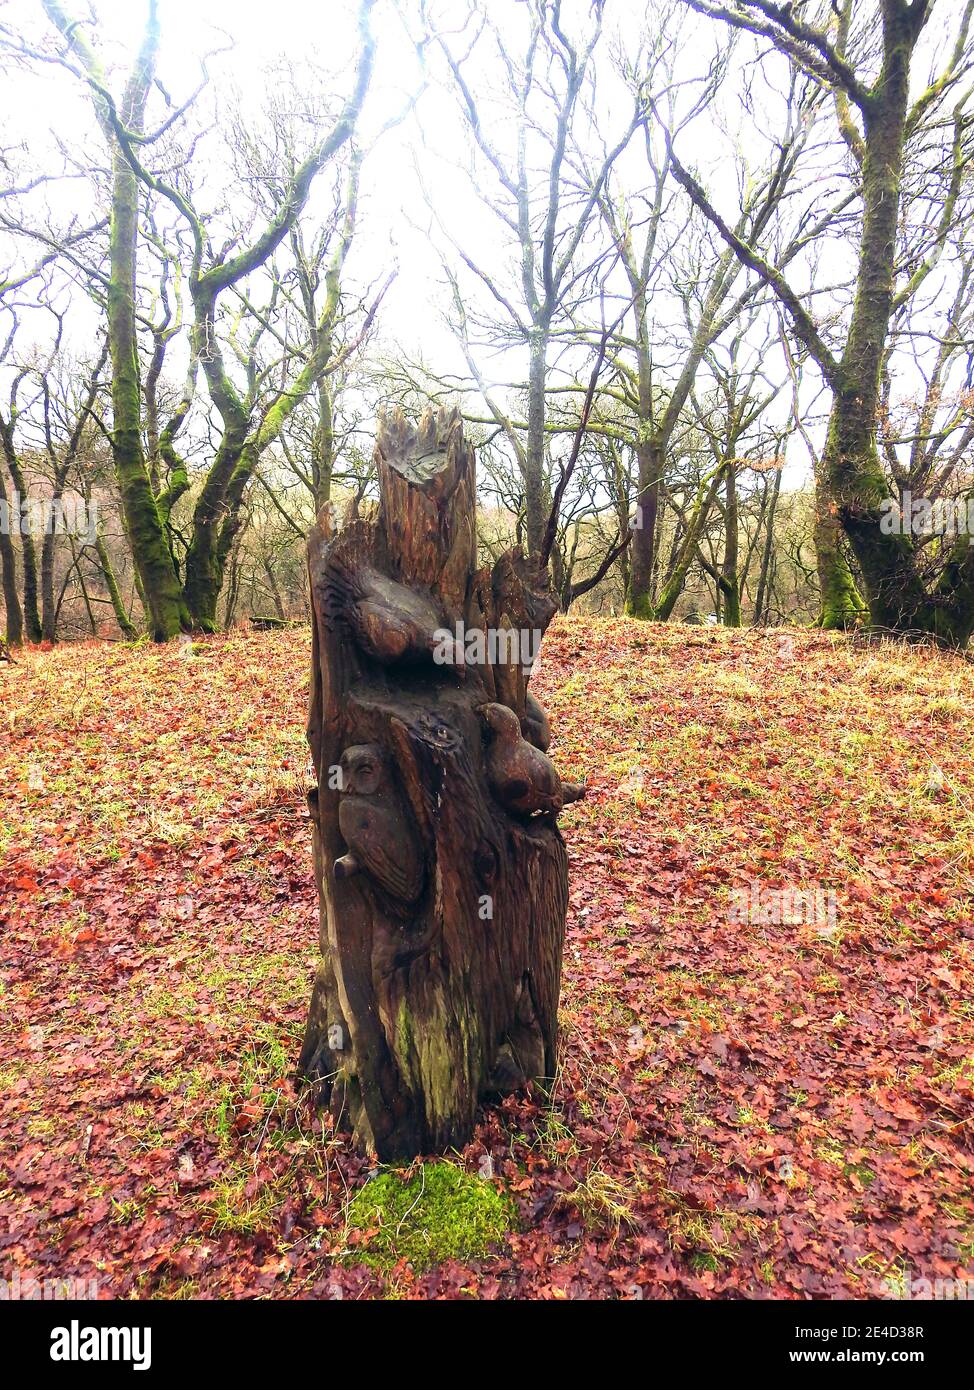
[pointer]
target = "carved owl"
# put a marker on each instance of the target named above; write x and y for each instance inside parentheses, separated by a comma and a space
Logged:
(377, 825)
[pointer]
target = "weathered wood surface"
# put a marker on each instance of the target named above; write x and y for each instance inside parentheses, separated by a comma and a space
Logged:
(442, 876)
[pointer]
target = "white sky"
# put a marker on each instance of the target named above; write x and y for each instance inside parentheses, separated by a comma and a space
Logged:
(48, 105)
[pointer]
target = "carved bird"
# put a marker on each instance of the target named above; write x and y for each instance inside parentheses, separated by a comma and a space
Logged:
(376, 825)
(523, 779)
(395, 625)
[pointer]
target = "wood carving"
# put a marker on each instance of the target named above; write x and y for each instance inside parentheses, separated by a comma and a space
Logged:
(442, 877)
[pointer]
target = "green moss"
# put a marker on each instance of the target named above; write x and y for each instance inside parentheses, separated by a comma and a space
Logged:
(640, 606)
(443, 1213)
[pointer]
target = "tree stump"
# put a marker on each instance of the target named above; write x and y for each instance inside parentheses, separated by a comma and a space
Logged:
(442, 876)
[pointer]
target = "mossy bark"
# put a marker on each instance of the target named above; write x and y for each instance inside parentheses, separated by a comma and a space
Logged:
(162, 593)
(852, 468)
(730, 586)
(8, 571)
(158, 581)
(662, 610)
(31, 617)
(842, 606)
(128, 628)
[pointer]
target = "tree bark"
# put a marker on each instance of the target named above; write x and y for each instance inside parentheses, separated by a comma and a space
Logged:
(126, 626)
(851, 463)
(842, 606)
(442, 876)
(639, 596)
(730, 584)
(763, 590)
(677, 577)
(8, 566)
(144, 526)
(158, 581)
(28, 551)
(534, 454)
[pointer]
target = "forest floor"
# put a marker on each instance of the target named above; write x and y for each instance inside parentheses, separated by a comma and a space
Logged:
(745, 1108)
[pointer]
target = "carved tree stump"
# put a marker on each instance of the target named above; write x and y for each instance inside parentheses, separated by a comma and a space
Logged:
(442, 877)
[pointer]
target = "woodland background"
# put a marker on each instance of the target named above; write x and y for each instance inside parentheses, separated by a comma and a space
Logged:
(226, 250)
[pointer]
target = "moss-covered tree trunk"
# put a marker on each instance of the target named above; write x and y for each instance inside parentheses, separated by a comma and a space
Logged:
(680, 568)
(204, 565)
(144, 526)
(31, 618)
(158, 581)
(851, 465)
(127, 627)
(441, 872)
(8, 573)
(763, 591)
(730, 584)
(841, 604)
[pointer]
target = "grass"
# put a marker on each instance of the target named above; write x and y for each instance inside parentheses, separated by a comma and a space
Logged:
(160, 934)
(443, 1213)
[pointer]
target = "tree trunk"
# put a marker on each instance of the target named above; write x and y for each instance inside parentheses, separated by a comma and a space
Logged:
(650, 460)
(127, 627)
(763, 590)
(442, 876)
(324, 446)
(28, 551)
(160, 586)
(48, 601)
(8, 566)
(677, 578)
(639, 598)
(534, 454)
(842, 606)
(851, 463)
(204, 569)
(730, 586)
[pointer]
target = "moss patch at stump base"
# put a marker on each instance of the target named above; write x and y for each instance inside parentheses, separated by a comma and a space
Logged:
(441, 1214)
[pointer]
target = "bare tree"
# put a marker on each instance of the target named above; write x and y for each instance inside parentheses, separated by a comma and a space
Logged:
(890, 134)
(544, 204)
(173, 604)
